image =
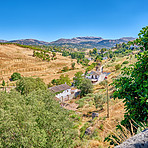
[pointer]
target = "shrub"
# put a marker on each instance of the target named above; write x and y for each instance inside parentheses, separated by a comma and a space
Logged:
(99, 101)
(15, 76)
(113, 59)
(28, 84)
(125, 62)
(132, 86)
(118, 66)
(65, 68)
(36, 120)
(85, 87)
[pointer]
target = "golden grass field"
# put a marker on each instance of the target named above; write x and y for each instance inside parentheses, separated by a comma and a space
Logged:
(17, 59)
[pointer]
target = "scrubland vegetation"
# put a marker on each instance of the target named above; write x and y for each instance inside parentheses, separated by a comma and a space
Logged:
(31, 117)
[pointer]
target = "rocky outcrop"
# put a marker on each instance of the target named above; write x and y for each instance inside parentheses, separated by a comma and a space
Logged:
(137, 141)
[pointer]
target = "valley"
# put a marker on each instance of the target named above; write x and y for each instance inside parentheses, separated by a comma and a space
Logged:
(17, 59)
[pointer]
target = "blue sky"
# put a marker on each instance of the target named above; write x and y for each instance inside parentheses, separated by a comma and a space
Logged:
(49, 20)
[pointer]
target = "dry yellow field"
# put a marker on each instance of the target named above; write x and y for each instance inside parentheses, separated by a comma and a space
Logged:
(17, 59)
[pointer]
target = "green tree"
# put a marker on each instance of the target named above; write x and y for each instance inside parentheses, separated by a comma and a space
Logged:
(78, 79)
(94, 51)
(132, 86)
(117, 67)
(15, 76)
(85, 87)
(103, 50)
(54, 81)
(36, 120)
(73, 65)
(28, 84)
(64, 79)
(53, 54)
(3, 83)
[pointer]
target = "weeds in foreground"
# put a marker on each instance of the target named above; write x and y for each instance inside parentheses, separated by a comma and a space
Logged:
(122, 133)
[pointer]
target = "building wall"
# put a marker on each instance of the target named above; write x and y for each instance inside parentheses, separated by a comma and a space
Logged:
(94, 77)
(68, 94)
(64, 95)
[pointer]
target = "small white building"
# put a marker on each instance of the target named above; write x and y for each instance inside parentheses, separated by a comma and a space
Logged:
(93, 76)
(64, 92)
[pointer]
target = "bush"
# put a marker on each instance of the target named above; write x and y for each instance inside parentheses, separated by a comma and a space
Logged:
(15, 76)
(36, 120)
(99, 101)
(86, 87)
(125, 62)
(132, 86)
(65, 68)
(118, 66)
(28, 84)
(113, 59)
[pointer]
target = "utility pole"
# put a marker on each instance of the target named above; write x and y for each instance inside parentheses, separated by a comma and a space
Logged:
(107, 98)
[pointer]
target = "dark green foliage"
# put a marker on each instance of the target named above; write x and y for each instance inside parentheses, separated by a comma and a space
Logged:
(133, 85)
(27, 84)
(103, 50)
(65, 53)
(73, 65)
(93, 52)
(90, 67)
(36, 120)
(53, 54)
(77, 55)
(3, 83)
(85, 87)
(113, 59)
(125, 62)
(78, 79)
(62, 80)
(118, 66)
(42, 55)
(98, 58)
(54, 81)
(15, 76)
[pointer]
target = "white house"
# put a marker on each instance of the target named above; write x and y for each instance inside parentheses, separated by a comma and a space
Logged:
(93, 76)
(64, 92)
(97, 75)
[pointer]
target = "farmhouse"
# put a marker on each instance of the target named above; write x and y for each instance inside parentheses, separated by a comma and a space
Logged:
(93, 76)
(64, 92)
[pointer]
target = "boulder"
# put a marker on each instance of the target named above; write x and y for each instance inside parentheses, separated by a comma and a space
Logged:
(137, 141)
(94, 115)
(88, 131)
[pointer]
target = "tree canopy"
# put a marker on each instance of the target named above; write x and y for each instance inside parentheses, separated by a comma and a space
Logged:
(132, 86)
(28, 84)
(85, 86)
(15, 76)
(35, 120)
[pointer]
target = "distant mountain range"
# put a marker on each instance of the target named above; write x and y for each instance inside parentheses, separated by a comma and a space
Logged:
(77, 42)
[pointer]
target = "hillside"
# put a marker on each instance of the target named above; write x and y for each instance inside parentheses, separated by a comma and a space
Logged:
(77, 42)
(90, 42)
(17, 59)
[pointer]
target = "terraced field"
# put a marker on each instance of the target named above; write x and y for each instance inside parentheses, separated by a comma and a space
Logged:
(18, 59)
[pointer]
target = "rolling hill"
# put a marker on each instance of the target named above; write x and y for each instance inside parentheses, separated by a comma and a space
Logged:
(77, 42)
